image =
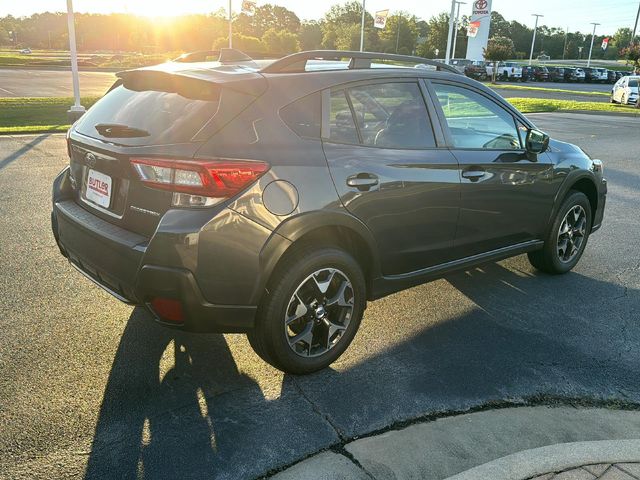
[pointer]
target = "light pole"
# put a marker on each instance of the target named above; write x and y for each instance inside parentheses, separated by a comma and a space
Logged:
(592, 38)
(455, 29)
(362, 26)
(564, 49)
(76, 109)
(451, 14)
(398, 33)
(230, 27)
(635, 26)
(533, 41)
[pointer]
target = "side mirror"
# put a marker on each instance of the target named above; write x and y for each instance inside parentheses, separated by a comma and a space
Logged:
(537, 141)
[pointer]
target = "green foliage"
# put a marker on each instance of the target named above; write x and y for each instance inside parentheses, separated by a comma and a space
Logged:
(401, 29)
(241, 42)
(437, 31)
(280, 41)
(341, 28)
(268, 17)
(310, 36)
(632, 54)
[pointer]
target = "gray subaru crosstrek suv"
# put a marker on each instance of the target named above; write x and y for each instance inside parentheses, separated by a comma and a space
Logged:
(277, 199)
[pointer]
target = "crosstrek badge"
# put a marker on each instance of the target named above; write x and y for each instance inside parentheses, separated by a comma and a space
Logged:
(98, 188)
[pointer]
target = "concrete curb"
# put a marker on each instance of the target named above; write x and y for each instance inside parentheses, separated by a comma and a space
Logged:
(554, 458)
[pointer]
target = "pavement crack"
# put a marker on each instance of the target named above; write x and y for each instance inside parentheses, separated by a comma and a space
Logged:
(316, 409)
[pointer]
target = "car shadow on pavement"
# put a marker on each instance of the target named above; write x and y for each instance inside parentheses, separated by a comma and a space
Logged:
(176, 406)
(22, 151)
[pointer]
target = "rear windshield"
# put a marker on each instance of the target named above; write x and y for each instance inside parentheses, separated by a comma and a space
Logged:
(150, 116)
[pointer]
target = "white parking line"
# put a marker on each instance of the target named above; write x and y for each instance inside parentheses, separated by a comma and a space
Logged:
(6, 91)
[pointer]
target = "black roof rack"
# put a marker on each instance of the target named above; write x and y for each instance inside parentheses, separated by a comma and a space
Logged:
(358, 60)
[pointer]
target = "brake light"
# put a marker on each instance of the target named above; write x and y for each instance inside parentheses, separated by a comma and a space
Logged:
(198, 183)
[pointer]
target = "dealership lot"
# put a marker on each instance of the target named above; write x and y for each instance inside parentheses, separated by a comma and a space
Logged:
(90, 385)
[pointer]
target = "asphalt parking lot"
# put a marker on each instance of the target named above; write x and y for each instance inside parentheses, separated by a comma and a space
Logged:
(92, 388)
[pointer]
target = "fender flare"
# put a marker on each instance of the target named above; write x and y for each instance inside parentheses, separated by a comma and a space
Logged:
(294, 228)
(571, 179)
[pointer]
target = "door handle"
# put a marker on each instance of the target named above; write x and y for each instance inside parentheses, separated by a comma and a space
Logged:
(362, 181)
(473, 175)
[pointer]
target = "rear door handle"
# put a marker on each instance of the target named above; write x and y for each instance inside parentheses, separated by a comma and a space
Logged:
(362, 181)
(473, 174)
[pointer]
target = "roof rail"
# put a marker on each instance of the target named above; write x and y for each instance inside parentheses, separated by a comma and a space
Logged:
(358, 60)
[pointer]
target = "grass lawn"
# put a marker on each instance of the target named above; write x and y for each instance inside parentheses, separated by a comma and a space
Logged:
(544, 89)
(534, 105)
(34, 115)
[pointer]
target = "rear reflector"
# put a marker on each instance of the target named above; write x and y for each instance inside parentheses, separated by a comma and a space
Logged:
(168, 309)
(217, 179)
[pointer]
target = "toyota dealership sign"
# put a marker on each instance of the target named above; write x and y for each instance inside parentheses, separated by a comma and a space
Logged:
(478, 29)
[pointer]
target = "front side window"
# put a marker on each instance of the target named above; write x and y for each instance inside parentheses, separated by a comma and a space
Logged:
(475, 121)
(387, 115)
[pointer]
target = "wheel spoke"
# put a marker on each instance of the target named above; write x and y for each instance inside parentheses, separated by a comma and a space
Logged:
(301, 310)
(323, 285)
(339, 298)
(305, 336)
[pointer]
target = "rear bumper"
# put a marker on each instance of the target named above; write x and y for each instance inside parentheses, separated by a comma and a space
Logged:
(114, 259)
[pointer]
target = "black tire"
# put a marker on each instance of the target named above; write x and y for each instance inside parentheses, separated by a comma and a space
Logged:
(269, 337)
(548, 259)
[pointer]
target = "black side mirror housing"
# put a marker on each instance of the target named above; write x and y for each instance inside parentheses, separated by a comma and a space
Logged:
(537, 141)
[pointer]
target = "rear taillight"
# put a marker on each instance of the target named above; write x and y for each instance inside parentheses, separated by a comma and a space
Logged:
(198, 183)
(167, 309)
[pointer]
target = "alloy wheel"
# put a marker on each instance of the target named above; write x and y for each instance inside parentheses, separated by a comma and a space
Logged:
(571, 234)
(319, 312)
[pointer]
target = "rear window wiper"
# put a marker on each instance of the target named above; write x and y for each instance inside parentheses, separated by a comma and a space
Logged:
(117, 130)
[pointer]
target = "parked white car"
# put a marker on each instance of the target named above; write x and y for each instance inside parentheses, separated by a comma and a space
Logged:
(625, 91)
(580, 75)
(603, 74)
(506, 70)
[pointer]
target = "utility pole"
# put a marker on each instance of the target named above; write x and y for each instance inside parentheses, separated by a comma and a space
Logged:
(564, 49)
(362, 26)
(533, 41)
(76, 109)
(451, 14)
(230, 27)
(635, 26)
(592, 38)
(455, 28)
(398, 32)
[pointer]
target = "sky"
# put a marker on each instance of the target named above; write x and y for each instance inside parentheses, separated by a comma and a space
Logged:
(575, 14)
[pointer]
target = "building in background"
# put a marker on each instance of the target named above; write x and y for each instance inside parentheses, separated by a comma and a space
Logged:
(479, 29)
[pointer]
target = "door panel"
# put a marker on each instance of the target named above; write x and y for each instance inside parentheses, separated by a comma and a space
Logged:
(393, 178)
(506, 192)
(411, 209)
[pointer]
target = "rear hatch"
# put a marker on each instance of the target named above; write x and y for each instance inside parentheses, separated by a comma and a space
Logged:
(164, 112)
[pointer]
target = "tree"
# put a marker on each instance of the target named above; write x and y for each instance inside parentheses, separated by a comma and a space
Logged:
(310, 36)
(632, 55)
(344, 21)
(498, 49)
(280, 41)
(265, 18)
(401, 30)
(437, 31)
(242, 42)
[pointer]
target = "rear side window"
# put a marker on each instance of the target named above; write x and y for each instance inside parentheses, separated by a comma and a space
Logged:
(633, 83)
(156, 117)
(387, 115)
(304, 116)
